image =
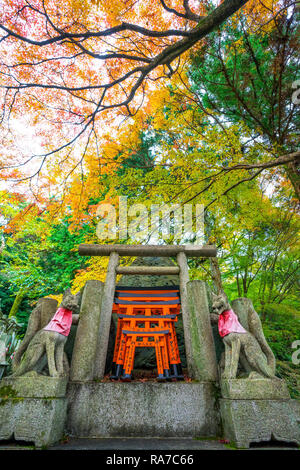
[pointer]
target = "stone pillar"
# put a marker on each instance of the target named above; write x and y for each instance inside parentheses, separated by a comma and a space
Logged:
(183, 280)
(83, 358)
(200, 335)
(105, 316)
(48, 309)
(240, 307)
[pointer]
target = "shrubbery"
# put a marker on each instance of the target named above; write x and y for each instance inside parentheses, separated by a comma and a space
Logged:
(282, 327)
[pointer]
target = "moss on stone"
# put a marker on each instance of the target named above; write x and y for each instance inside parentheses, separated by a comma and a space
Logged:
(232, 446)
(7, 392)
(206, 438)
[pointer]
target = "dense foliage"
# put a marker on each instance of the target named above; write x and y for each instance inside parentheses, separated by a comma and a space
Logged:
(217, 127)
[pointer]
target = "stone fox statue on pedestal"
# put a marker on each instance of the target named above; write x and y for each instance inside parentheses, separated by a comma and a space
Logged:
(49, 341)
(240, 344)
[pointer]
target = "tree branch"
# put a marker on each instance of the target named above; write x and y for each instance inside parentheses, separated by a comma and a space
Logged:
(188, 15)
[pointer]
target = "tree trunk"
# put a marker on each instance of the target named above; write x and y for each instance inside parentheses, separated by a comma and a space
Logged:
(15, 306)
(216, 275)
(293, 172)
(238, 285)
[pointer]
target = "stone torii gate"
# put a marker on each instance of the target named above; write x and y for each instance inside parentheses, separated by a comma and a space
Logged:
(199, 345)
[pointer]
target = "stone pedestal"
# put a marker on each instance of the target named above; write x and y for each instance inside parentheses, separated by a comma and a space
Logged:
(33, 409)
(257, 410)
(250, 421)
(146, 409)
(257, 389)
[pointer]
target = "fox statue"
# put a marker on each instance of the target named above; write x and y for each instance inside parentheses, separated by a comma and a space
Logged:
(50, 341)
(251, 348)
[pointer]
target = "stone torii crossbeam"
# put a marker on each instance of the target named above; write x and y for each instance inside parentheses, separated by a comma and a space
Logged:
(114, 252)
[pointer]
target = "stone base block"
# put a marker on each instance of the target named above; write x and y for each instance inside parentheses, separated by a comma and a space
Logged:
(37, 420)
(33, 409)
(249, 421)
(142, 409)
(35, 386)
(256, 389)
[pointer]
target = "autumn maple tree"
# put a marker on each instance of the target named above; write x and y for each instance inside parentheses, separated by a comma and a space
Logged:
(229, 115)
(67, 66)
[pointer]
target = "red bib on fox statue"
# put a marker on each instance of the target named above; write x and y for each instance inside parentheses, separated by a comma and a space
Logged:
(61, 322)
(229, 323)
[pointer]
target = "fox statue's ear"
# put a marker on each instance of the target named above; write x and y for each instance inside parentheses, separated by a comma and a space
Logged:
(214, 296)
(66, 293)
(222, 293)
